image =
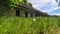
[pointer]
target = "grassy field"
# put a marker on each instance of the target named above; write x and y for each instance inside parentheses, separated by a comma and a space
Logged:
(21, 25)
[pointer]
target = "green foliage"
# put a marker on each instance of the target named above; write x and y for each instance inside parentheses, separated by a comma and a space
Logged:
(30, 4)
(23, 1)
(11, 3)
(21, 25)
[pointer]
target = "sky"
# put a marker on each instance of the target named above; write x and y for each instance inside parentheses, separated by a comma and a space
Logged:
(49, 6)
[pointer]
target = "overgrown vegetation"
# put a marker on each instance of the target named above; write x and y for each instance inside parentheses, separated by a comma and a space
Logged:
(21, 25)
(11, 3)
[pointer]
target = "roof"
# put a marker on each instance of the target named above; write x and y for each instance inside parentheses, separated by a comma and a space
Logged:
(28, 7)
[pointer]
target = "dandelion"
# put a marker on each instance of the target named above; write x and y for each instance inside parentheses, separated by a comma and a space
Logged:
(34, 19)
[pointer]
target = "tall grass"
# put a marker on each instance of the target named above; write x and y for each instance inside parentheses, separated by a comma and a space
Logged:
(19, 25)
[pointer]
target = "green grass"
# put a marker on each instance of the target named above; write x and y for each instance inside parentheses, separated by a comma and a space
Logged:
(21, 25)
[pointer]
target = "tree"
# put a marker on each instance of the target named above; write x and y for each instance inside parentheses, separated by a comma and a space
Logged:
(25, 1)
(9, 3)
(12, 3)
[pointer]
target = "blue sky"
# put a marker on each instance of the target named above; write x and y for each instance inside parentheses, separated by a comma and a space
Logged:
(49, 6)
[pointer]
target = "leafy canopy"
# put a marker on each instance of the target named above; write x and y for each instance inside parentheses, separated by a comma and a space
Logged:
(11, 3)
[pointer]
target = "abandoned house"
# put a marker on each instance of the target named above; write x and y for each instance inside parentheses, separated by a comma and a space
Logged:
(21, 11)
(28, 11)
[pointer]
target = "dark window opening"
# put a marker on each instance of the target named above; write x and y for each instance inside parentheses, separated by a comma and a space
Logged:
(31, 15)
(36, 15)
(17, 13)
(26, 14)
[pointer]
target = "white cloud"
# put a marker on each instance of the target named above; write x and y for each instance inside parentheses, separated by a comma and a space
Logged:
(52, 9)
(49, 5)
(57, 14)
(40, 2)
